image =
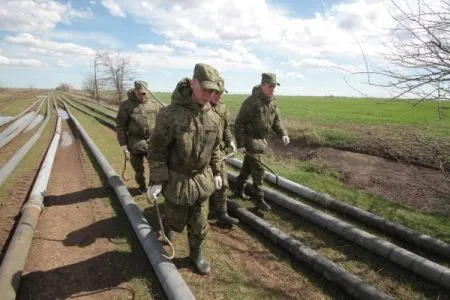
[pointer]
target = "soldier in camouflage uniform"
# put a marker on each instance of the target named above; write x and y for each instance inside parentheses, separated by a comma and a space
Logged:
(135, 121)
(218, 200)
(257, 116)
(184, 159)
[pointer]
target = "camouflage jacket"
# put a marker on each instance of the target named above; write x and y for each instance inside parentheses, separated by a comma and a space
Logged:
(184, 148)
(225, 135)
(135, 120)
(257, 116)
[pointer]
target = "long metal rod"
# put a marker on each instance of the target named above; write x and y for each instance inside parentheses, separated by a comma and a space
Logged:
(399, 231)
(398, 255)
(333, 272)
(18, 249)
(14, 161)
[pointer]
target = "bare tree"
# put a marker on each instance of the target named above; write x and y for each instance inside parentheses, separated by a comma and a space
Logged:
(418, 51)
(115, 68)
(90, 86)
(95, 78)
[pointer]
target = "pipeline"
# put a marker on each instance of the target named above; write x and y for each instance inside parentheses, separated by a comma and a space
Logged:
(112, 117)
(5, 139)
(100, 120)
(172, 282)
(399, 231)
(331, 271)
(29, 107)
(402, 257)
(18, 249)
(84, 98)
(14, 161)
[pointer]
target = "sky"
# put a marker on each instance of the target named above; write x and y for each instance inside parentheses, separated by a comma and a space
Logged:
(313, 46)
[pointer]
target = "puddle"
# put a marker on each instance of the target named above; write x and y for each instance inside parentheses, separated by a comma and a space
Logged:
(66, 139)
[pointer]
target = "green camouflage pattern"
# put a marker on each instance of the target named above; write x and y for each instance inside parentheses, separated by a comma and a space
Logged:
(184, 148)
(225, 135)
(270, 78)
(141, 86)
(137, 162)
(134, 125)
(257, 116)
(135, 121)
(222, 86)
(183, 155)
(251, 166)
(219, 197)
(207, 76)
(195, 217)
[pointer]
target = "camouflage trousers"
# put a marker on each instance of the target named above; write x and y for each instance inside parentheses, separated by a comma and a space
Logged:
(137, 162)
(251, 166)
(218, 200)
(176, 217)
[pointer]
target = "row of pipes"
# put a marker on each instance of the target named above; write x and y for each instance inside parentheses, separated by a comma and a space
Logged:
(176, 288)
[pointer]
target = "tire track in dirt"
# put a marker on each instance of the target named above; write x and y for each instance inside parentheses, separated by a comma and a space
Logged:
(71, 254)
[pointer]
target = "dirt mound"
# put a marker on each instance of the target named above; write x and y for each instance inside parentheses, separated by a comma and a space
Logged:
(419, 187)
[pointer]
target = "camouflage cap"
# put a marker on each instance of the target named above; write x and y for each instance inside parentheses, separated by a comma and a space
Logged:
(269, 78)
(221, 84)
(207, 76)
(140, 86)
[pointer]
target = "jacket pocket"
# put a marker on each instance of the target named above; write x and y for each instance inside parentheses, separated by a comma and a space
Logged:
(256, 145)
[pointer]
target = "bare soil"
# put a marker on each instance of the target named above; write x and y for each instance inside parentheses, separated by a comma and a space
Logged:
(72, 254)
(422, 188)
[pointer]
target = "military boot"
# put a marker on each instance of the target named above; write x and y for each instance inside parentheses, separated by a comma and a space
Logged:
(240, 190)
(200, 262)
(262, 204)
(224, 219)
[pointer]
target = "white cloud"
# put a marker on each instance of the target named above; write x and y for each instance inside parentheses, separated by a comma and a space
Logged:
(47, 47)
(37, 15)
(261, 24)
(14, 62)
(113, 8)
(293, 74)
(152, 48)
(316, 63)
(235, 56)
(183, 44)
(62, 63)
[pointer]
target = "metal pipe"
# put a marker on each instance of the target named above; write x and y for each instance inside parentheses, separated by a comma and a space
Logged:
(8, 138)
(402, 257)
(29, 107)
(12, 163)
(16, 255)
(399, 231)
(100, 120)
(172, 282)
(113, 117)
(331, 271)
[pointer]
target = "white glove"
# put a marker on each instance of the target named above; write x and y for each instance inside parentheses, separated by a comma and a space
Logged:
(217, 182)
(233, 147)
(154, 191)
(125, 152)
(285, 140)
(241, 150)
